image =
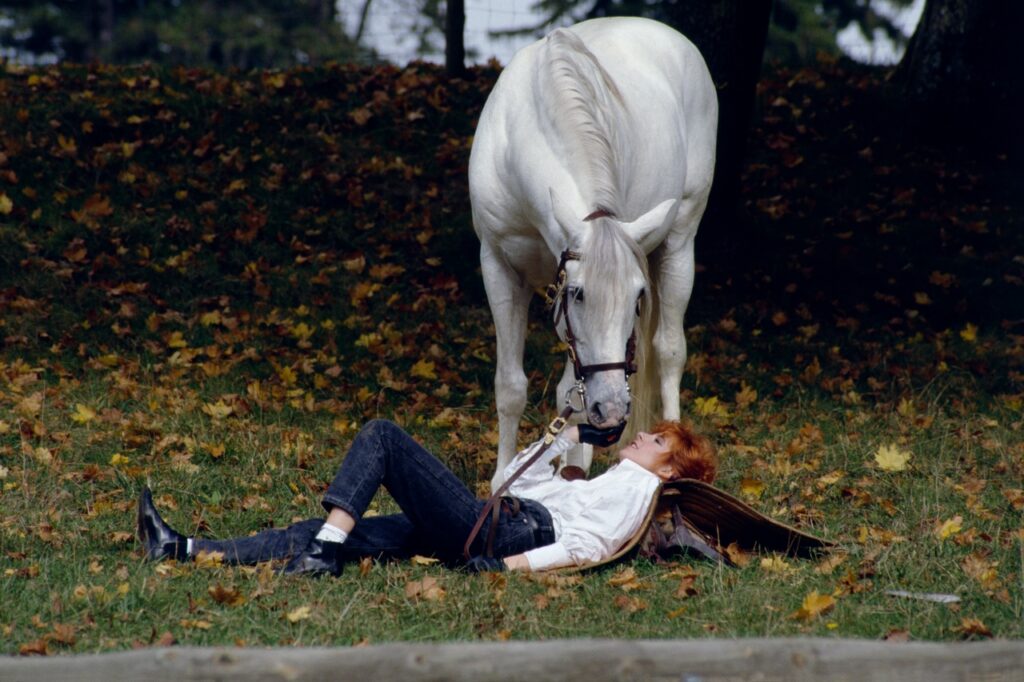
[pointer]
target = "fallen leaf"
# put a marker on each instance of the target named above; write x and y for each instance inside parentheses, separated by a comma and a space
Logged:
(751, 488)
(775, 564)
(226, 595)
(300, 613)
(627, 580)
(949, 527)
(814, 605)
(897, 636)
(83, 414)
(972, 628)
(891, 458)
(423, 369)
(428, 589)
(630, 604)
(205, 559)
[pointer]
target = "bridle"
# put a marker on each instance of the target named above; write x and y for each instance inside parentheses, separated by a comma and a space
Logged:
(557, 296)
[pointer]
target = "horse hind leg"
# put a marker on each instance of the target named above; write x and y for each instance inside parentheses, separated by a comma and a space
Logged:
(509, 299)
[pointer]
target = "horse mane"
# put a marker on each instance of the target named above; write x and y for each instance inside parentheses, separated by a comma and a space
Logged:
(582, 104)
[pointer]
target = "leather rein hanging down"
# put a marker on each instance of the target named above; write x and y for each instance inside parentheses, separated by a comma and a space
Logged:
(557, 294)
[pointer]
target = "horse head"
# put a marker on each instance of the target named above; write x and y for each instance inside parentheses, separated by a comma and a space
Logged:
(600, 301)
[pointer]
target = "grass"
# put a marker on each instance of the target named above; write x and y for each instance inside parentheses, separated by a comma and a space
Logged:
(208, 282)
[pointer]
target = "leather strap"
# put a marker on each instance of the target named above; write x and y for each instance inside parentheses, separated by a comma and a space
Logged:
(554, 428)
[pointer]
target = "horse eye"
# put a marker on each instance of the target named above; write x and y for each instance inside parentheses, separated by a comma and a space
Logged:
(639, 300)
(576, 294)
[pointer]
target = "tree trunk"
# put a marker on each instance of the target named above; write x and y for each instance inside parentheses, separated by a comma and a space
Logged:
(454, 48)
(961, 74)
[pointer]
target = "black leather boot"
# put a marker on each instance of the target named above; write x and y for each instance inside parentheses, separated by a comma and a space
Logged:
(159, 541)
(318, 559)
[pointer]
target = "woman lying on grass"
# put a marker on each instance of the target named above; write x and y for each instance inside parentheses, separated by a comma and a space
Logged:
(550, 523)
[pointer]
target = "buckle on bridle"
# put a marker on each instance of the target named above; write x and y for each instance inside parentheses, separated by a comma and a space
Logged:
(580, 390)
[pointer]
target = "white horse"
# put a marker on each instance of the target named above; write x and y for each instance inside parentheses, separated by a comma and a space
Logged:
(598, 139)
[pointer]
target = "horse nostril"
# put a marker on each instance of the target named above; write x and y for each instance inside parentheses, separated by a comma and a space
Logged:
(596, 414)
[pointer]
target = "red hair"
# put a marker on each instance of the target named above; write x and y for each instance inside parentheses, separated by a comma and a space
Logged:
(691, 455)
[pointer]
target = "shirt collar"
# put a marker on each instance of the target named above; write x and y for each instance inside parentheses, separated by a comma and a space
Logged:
(630, 465)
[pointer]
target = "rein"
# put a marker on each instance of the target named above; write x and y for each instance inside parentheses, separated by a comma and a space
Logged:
(556, 295)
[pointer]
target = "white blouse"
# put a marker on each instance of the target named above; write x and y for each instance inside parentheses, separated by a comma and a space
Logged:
(592, 519)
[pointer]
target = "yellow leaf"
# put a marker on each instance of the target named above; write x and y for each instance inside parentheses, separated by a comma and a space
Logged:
(775, 564)
(814, 605)
(891, 458)
(6, 205)
(625, 579)
(949, 527)
(176, 340)
(751, 487)
(275, 80)
(969, 333)
(287, 375)
(420, 560)
(710, 407)
(210, 318)
(302, 331)
(906, 408)
(117, 459)
(83, 414)
(424, 369)
(300, 613)
(218, 410)
(196, 624)
(206, 559)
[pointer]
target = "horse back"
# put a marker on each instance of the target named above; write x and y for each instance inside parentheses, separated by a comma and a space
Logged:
(653, 99)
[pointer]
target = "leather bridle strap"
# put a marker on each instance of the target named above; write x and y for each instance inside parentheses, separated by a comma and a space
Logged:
(558, 295)
(554, 428)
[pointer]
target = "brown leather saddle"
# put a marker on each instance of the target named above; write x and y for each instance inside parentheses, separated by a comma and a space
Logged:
(690, 516)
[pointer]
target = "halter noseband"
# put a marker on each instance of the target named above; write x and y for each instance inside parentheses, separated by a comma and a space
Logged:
(557, 295)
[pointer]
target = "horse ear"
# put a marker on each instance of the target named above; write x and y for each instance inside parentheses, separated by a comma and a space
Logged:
(565, 223)
(652, 227)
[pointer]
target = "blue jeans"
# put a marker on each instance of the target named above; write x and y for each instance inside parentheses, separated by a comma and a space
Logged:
(438, 510)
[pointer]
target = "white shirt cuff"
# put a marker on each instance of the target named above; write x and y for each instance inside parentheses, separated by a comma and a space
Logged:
(548, 556)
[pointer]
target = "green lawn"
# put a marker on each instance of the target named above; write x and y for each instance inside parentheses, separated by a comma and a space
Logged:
(208, 282)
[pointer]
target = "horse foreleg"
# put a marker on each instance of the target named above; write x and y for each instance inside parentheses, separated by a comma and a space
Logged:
(509, 299)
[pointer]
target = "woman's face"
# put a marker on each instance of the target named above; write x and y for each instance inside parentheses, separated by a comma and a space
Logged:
(649, 450)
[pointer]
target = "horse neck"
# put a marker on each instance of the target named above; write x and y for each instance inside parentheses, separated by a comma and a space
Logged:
(587, 112)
